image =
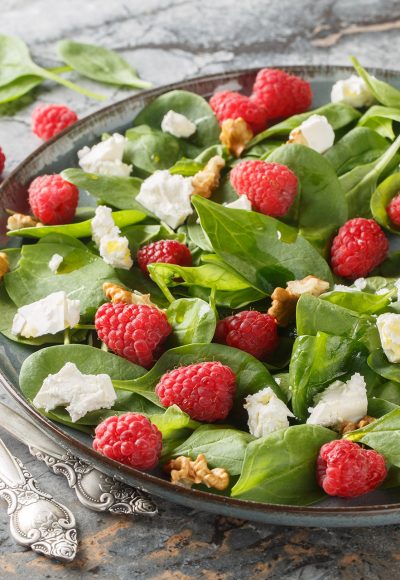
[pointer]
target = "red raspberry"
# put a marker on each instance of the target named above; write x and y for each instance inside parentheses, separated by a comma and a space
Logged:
(49, 120)
(281, 94)
(132, 331)
(205, 391)
(270, 187)
(359, 247)
(165, 251)
(393, 210)
(130, 439)
(347, 470)
(2, 160)
(229, 105)
(53, 200)
(251, 331)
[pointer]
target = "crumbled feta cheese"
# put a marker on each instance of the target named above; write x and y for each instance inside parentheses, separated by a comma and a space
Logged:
(340, 402)
(360, 283)
(115, 251)
(49, 315)
(55, 262)
(382, 291)
(397, 285)
(389, 332)
(353, 91)
(315, 132)
(167, 196)
(177, 125)
(343, 288)
(103, 224)
(105, 158)
(267, 413)
(82, 393)
(242, 202)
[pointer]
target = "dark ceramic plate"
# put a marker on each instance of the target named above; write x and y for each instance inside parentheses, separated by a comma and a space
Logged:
(378, 508)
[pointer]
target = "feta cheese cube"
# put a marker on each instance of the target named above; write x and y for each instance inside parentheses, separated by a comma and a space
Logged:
(82, 393)
(177, 125)
(167, 196)
(105, 158)
(55, 262)
(353, 91)
(242, 202)
(49, 315)
(267, 413)
(115, 251)
(360, 283)
(389, 332)
(315, 132)
(340, 402)
(103, 224)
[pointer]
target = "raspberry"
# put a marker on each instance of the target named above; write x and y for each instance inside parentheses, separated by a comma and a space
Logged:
(2, 160)
(49, 120)
(393, 209)
(251, 331)
(359, 247)
(204, 390)
(281, 94)
(52, 199)
(132, 331)
(270, 187)
(347, 470)
(229, 105)
(165, 251)
(130, 439)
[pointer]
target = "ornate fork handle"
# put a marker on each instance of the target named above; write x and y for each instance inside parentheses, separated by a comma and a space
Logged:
(94, 489)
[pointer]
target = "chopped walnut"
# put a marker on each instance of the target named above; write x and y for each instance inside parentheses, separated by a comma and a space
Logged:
(296, 136)
(235, 134)
(117, 294)
(350, 426)
(4, 264)
(284, 300)
(186, 472)
(207, 180)
(17, 221)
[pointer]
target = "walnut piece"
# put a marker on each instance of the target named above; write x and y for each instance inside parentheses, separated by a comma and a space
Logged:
(117, 295)
(350, 426)
(296, 136)
(17, 221)
(4, 264)
(235, 134)
(207, 180)
(186, 472)
(284, 300)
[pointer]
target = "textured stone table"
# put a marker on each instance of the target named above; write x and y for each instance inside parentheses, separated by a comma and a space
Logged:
(169, 41)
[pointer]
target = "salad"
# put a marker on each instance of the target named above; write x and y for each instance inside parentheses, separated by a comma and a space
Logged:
(228, 316)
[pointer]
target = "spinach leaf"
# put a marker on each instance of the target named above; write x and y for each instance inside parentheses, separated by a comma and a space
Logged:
(119, 192)
(361, 302)
(186, 167)
(139, 235)
(193, 107)
(381, 198)
(389, 391)
(100, 64)
(379, 407)
(383, 92)
(18, 88)
(320, 207)
(173, 420)
(379, 363)
(380, 119)
(192, 321)
(280, 468)
(358, 147)
(231, 299)
(263, 250)
(80, 229)
(223, 447)
(150, 150)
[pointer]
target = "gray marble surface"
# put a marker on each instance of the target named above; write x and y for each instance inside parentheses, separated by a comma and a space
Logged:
(166, 41)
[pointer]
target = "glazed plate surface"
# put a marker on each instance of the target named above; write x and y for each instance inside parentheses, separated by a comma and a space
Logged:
(378, 508)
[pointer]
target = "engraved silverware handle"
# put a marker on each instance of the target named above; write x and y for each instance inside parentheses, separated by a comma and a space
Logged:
(96, 490)
(37, 521)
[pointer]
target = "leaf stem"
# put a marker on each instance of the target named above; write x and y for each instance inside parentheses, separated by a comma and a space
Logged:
(70, 85)
(67, 336)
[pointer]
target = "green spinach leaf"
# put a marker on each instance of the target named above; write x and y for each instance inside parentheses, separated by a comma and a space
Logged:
(150, 150)
(379, 363)
(381, 198)
(383, 92)
(380, 119)
(192, 321)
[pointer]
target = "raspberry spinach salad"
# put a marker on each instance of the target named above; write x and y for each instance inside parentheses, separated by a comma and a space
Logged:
(227, 313)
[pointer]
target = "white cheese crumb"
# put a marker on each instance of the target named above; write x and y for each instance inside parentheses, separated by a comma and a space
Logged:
(315, 132)
(55, 262)
(82, 393)
(389, 332)
(340, 402)
(177, 125)
(397, 285)
(343, 288)
(105, 158)
(242, 202)
(103, 224)
(353, 91)
(113, 248)
(267, 413)
(167, 196)
(49, 315)
(360, 283)
(382, 291)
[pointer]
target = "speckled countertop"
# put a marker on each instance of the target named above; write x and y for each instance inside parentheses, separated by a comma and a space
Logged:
(167, 41)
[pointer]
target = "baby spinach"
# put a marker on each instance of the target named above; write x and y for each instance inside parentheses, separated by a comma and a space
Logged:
(231, 299)
(361, 302)
(223, 446)
(280, 468)
(192, 320)
(150, 150)
(383, 92)
(379, 363)
(381, 198)
(380, 119)
(379, 407)
(263, 250)
(173, 420)
(80, 229)
(100, 64)
(389, 391)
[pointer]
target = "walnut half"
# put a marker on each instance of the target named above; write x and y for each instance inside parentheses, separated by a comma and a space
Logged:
(119, 295)
(350, 426)
(207, 180)
(235, 134)
(4, 264)
(17, 221)
(186, 472)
